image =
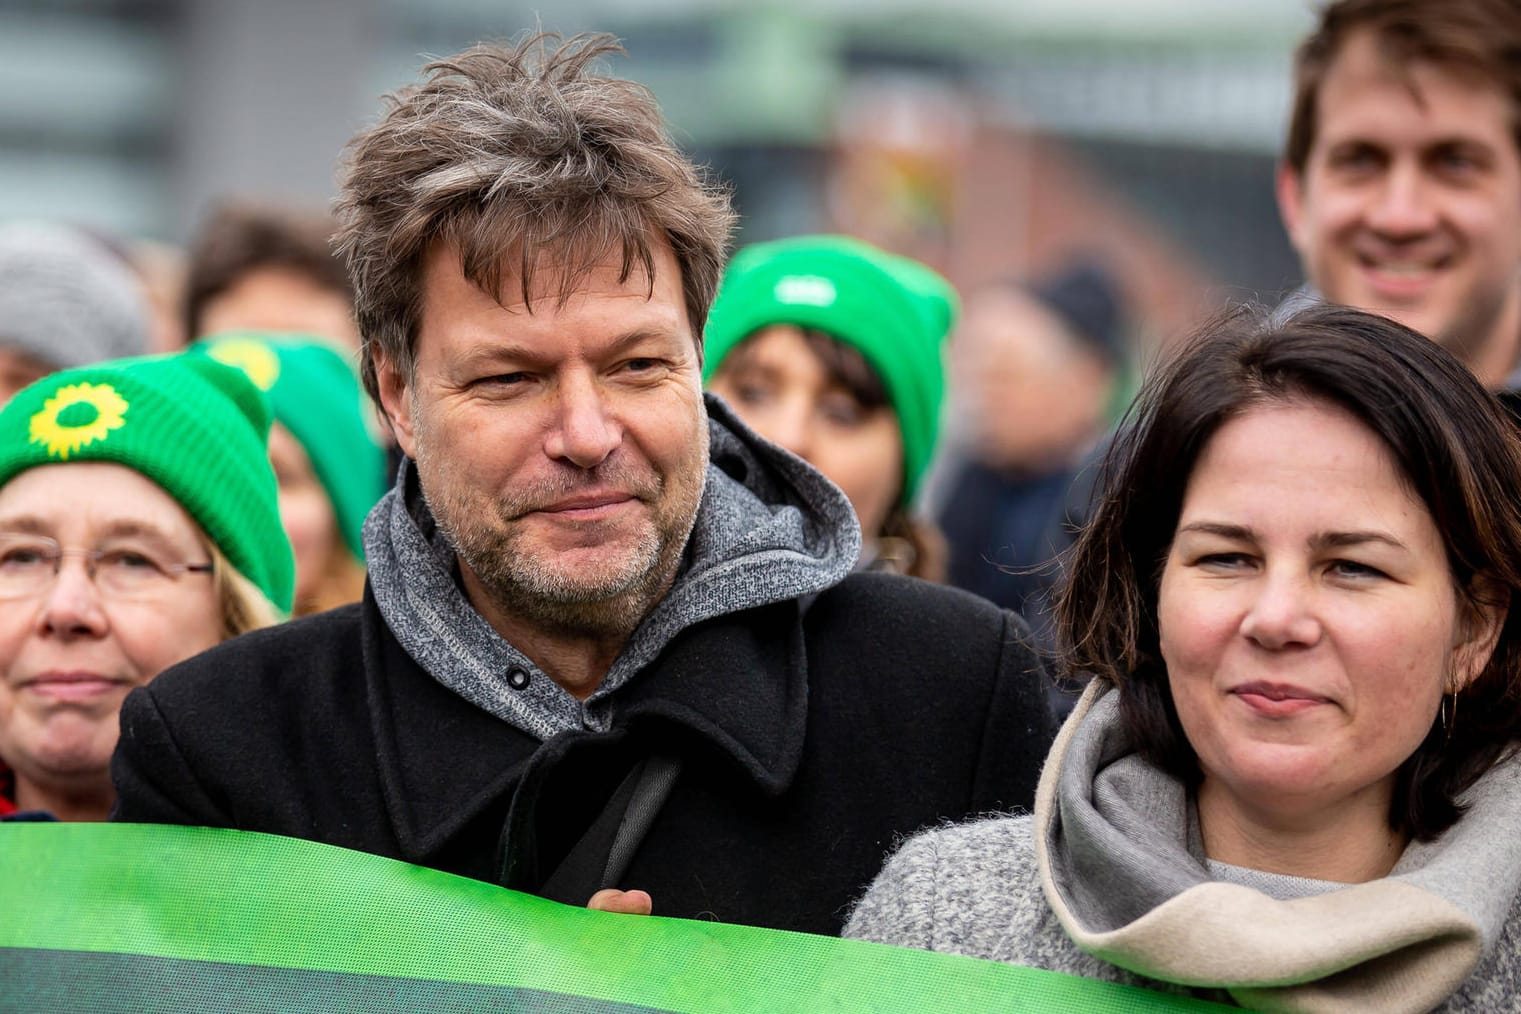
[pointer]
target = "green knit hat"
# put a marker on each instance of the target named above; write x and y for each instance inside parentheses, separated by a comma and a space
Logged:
(315, 394)
(195, 427)
(895, 311)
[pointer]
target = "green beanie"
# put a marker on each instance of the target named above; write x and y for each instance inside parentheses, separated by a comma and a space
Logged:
(195, 427)
(895, 311)
(315, 394)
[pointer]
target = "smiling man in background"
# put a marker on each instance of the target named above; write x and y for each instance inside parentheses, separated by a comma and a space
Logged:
(1400, 186)
(611, 639)
(1401, 181)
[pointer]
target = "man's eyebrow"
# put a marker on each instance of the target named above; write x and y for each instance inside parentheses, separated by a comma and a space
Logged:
(482, 355)
(634, 337)
(1461, 141)
(509, 352)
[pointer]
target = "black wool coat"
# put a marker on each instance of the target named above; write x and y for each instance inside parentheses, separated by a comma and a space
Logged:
(810, 736)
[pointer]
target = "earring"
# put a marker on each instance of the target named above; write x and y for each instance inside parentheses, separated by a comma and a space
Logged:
(1448, 720)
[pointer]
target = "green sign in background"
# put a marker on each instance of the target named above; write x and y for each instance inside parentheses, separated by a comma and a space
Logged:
(138, 917)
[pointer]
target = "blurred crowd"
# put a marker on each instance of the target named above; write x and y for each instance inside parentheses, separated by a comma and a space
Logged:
(273, 424)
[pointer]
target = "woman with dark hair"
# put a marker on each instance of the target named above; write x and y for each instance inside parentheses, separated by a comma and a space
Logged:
(1291, 780)
(831, 348)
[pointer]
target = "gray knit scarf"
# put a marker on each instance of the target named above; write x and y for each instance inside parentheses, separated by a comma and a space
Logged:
(769, 528)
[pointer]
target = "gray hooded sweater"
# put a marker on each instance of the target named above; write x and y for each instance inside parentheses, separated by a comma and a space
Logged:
(769, 528)
(1108, 880)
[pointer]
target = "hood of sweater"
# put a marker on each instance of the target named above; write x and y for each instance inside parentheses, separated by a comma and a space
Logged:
(1122, 865)
(769, 528)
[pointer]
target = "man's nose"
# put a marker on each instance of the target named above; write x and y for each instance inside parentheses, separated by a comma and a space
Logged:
(1282, 614)
(585, 429)
(1403, 207)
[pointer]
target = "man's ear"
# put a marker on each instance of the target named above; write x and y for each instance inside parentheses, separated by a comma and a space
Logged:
(394, 385)
(1482, 617)
(1290, 190)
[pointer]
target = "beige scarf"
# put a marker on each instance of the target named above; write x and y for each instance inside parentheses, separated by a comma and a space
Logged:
(1128, 885)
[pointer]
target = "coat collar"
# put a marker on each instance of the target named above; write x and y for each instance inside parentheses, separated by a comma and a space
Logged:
(737, 683)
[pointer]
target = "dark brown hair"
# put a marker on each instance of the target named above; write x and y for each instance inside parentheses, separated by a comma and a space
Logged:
(238, 238)
(509, 153)
(1478, 39)
(1454, 445)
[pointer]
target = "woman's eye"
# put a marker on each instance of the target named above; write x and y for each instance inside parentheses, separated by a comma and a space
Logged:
(842, 411)
(23, 557)
(1223, 561)
(751, 393)
(128, 560)
(1351, 568)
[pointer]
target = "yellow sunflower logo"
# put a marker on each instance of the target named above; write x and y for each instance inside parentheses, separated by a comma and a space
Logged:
(77, 415)
(250, 355)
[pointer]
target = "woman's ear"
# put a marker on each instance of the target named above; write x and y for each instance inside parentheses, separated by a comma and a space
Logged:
(1484, 607)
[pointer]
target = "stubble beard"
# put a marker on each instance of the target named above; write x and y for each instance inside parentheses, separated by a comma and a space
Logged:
(521, 578)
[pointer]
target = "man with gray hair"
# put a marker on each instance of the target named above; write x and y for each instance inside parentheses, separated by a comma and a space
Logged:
(611, 638)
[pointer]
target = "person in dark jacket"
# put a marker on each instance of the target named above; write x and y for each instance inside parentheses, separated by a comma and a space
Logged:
(611, 639)
(1040, 367)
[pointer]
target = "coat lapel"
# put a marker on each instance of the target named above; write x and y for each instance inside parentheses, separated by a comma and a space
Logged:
(442, 760)
(737, 683)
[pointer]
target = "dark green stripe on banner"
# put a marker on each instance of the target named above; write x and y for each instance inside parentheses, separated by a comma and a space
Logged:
(43, 981)
(225, 919)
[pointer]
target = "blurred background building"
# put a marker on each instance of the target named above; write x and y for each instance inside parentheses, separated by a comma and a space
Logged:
(991, 138)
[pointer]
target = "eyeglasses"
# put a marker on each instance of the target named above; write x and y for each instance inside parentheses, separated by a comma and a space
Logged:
(29, 564)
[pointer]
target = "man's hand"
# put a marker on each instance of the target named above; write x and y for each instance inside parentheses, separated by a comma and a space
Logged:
(629, 902)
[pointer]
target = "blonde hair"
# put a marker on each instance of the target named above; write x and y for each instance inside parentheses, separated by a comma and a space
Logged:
(243, 606)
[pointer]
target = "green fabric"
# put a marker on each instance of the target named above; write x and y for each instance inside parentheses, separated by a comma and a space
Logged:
(895, 311)
(229, 920)
(315, 394)
(195, 427)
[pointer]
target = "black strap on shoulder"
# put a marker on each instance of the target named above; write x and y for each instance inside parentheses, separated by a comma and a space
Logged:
(657, 776)
(602, 855)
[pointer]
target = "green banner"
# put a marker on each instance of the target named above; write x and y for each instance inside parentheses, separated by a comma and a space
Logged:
(146, 918)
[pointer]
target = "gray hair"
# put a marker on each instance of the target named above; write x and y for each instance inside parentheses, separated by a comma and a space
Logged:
(511, 152)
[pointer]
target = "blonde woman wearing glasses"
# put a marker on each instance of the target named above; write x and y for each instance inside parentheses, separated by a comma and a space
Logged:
(138, 527)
